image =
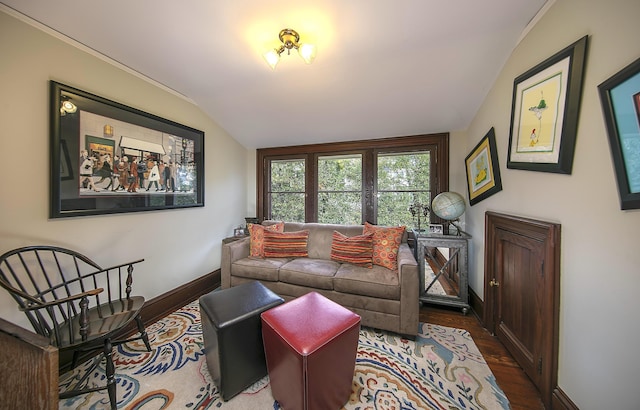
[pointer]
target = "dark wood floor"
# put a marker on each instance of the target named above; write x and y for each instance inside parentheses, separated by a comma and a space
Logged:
(511, 378)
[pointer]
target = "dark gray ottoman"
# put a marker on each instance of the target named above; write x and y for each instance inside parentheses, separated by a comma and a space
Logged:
(232, 333)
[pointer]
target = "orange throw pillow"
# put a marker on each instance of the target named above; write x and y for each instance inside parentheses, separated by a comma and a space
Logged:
(386, 243)
(356, 250)
(286, 244)
(256, 233)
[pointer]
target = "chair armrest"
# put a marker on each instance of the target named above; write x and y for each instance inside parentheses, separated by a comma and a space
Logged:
(232, 252)
(128, 279)
(40, 305)
(122, 265)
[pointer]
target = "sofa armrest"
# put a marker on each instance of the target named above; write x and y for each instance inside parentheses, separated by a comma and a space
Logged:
(232, 252)
(409, 291)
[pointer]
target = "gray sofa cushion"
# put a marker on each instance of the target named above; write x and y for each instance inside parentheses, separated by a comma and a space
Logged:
(315, 273)
(259, 269)
(377, 282)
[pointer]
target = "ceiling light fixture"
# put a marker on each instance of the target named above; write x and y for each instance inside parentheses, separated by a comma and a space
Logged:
(290, 40)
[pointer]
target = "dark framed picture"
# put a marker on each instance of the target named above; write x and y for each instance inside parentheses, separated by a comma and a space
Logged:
(109, 158)
(544, 112)
(620, 98)
(483, 169)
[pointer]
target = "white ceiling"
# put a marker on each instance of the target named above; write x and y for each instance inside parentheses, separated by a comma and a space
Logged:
(384, 68)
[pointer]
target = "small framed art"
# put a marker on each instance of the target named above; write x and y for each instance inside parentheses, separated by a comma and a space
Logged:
(436, 228)
(483, 169)
(620, 98)
(544, 112)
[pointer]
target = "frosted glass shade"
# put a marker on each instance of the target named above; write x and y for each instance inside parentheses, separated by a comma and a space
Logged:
(272, 58)
(307, 52)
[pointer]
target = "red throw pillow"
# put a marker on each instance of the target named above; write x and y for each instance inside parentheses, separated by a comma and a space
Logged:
(286, 244)
(356, 250)
(257, 237)
(386, 242)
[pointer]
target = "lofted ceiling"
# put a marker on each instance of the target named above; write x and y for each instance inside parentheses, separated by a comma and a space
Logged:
(384, 68)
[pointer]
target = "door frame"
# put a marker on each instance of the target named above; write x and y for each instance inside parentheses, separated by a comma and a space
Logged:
(549, 234)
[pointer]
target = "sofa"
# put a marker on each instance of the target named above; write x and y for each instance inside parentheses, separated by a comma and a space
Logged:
(384, 298)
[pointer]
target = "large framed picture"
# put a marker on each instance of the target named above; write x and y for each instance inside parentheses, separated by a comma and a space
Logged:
(544, 112)
(109, 158)
(620, 98)
(483, 169)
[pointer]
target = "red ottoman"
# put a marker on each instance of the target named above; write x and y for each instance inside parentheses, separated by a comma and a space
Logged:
(310, 345)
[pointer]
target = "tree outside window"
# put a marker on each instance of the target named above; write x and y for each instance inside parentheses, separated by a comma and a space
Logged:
(287, 193)
(403, 178)
(340, 189)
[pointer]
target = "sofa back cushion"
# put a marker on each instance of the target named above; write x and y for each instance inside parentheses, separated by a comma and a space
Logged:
(285, 244)
(321, 236)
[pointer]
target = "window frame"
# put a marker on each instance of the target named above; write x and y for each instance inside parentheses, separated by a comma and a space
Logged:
(437, 143)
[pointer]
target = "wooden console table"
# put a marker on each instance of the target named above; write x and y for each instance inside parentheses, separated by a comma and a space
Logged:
(443, 269)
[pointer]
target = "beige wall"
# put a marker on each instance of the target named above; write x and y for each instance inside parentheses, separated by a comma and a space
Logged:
(178, 245)
(600, 256)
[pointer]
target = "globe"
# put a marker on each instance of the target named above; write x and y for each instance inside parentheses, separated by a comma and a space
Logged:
(448, 205)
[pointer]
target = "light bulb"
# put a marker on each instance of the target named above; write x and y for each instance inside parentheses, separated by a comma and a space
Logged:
(272, 57)
(307, 52)
(69, 107)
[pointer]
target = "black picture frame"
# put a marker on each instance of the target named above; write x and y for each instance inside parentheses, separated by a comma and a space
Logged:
(483, 169)
(620, 100)
(544, 126)
(86, 128)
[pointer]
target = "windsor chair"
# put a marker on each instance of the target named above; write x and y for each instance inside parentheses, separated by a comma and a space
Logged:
(77, 305)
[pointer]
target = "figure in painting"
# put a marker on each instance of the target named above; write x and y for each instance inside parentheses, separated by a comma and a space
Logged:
(133, 173)
(537, 111)
(154, 176)
(86, 170)
(123, 171)
(168, 184)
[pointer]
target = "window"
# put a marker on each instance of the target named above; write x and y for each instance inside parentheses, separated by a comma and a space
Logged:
(340, 189)
(403, 178)
(287, 190)
(352, 182)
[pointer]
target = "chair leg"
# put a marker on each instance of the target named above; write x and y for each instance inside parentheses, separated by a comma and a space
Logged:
(74, 361)
(143, 333)
(110, 371)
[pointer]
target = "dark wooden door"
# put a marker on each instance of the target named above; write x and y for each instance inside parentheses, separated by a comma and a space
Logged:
(522, 293)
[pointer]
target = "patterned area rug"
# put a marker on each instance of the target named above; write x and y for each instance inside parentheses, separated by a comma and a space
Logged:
(442, 369)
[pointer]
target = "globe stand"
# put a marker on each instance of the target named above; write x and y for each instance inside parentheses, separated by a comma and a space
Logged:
(455, 223)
